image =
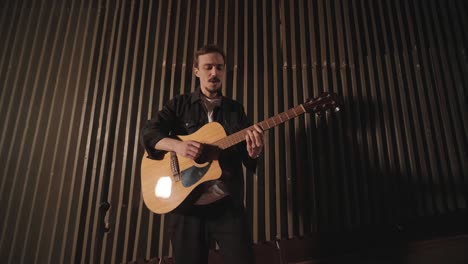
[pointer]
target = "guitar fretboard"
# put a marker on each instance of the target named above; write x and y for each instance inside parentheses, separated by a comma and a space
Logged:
(271, 122)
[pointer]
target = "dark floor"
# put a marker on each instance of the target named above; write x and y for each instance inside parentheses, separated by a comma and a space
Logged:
(446, 250)
(435, 240)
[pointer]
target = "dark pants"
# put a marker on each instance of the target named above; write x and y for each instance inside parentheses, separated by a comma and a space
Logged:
(222, 221)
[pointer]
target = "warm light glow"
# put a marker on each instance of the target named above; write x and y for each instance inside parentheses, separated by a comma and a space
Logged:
(163, 187)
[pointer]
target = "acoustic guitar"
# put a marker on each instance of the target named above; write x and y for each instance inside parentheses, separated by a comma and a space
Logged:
(166, 183)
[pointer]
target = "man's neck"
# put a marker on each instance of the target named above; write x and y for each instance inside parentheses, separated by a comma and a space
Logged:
(210, 95)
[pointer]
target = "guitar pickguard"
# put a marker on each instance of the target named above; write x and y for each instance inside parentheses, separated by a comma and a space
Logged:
(191, 175)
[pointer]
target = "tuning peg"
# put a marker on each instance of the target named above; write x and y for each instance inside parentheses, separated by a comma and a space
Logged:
(336, 109)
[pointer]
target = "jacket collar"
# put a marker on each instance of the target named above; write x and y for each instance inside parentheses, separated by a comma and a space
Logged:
(197, 94)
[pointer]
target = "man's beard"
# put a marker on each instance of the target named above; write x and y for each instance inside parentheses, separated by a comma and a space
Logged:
(216, 88)
(213, 90)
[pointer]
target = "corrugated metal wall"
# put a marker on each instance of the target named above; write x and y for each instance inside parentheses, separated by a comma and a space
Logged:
(78, 78)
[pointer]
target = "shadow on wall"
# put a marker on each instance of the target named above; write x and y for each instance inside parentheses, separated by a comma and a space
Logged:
(366, 169)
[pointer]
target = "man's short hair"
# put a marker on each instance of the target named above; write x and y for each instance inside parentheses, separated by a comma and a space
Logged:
(205, 50)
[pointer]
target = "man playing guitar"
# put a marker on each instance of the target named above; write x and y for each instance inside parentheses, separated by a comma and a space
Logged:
(214, 209)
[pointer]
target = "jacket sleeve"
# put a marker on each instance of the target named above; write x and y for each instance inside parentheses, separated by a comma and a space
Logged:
(159, 127)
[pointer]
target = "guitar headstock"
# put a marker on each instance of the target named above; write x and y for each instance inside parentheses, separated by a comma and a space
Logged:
(325, 102)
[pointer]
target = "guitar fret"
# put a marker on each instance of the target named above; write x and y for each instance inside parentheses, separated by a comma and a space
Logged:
(261, 125)
(294, 111)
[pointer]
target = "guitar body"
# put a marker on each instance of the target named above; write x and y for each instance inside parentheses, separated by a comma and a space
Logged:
(166, 183)
(162, 190)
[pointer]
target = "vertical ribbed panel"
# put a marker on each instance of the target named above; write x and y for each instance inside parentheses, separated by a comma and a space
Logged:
(78, 79)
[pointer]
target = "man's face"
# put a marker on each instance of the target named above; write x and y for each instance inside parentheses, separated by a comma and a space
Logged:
(210, 71)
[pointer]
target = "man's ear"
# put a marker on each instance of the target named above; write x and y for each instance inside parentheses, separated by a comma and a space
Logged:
(195, 71)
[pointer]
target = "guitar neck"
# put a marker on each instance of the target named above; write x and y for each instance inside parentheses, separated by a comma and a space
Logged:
(271, 122)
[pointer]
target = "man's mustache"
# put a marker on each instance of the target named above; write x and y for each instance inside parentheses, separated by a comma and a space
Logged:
(214, 79)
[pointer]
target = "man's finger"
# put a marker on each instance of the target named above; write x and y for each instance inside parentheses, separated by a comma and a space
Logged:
(194, 144)
(258, 138)
(258, 129)
(253, 138)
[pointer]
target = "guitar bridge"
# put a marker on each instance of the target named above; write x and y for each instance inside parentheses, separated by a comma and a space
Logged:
(175, 167)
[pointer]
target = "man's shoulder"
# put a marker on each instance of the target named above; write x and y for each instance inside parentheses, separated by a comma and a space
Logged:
(185, 97)
(232, 103)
